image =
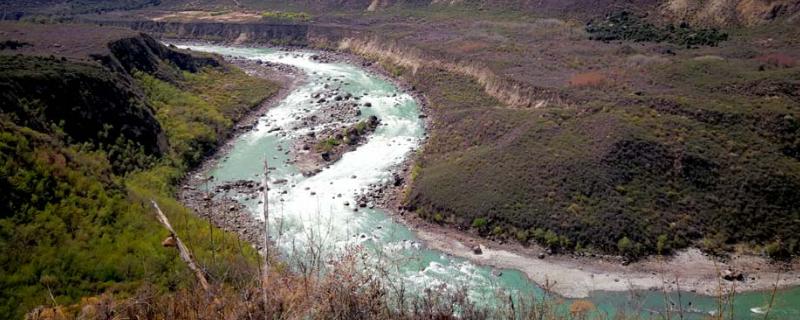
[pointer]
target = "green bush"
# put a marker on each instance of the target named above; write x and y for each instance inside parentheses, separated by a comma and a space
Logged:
(777, 250)
(552, 240)
(538, 234)
(715, 244)
(497, 231)
(438, 217)
(522, 236)
(479, 223)
(662, 244)
(625, 245)
(415, 171)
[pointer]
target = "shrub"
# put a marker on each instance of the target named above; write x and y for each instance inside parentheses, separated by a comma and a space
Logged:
(498, 230)
(777, 250)
(551, 240)
(327, 145)
(626, 247)
(415, 171)
(714, 244)
(564, 242)
(522, 236)
(538, 235)
(662, 244)
(438, 217)
(479, 223)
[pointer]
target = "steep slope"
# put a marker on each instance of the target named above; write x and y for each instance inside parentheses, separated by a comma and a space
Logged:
(87, 139)
(48, 95)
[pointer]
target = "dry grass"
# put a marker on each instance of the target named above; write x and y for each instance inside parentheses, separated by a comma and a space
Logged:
(342, 289)
(777, 60)
(588, 79)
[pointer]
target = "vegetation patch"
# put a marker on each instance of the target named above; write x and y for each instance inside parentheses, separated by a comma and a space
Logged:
(76, 215)
(632, 179)
(12, 44)
(630, 27)
(287, 16)
(334, 145)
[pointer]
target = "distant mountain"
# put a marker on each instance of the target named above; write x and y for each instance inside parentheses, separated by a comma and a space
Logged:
(74, 6)
(702, 12)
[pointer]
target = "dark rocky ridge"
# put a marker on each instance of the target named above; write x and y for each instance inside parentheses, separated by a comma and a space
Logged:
(145, 54)
(293, 34)
(93, 99)
(58, 94)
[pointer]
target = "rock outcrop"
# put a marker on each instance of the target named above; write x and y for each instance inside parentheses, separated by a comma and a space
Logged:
(284, 34)
(508, 91)
(95, 101)
(730, 12)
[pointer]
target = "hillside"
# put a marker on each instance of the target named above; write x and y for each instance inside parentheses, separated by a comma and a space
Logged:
(543, 133)
(95, 122)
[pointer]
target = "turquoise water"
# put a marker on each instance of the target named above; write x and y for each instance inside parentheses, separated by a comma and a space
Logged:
(309, 212)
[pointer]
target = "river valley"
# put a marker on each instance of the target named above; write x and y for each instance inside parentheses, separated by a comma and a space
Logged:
(321, 211)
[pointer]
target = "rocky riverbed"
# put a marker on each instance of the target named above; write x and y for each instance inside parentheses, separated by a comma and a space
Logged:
(221, 204)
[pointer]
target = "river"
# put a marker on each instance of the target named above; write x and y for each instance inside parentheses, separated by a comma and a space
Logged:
(311, 212)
